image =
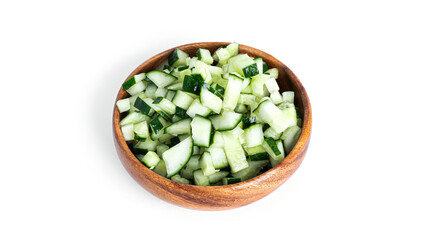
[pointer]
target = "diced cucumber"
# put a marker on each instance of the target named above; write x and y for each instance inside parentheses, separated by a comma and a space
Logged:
(196, 150)
(196, 108)
(272, 115)
(137, 88)
(272, 85)
(157, 109)
(254, 135)
(288, 96)
(248, 121)
(273, 72)
(201, 131)
(160, 92)
(247, 99)
(191, 61)
(233, 49)
(200, 68)
(219, 89)
(257, 84)
(193, 83)
(210, 100)
(271, 147)
(217, 176)
(132, 81)
(241, 108)
(141, 132)
(218, 157)
(180, 112)
(176, 117)
(164, 138)
(176, 86)
(278, 159)
(232, 92)
(128, 132)
(151, 159)
(215, 71)
(291, 114)
(134, 97)
(178, 178)
(213, 90)
(192, 165)
(266, 93)
(206, 164)
(183, 136)
(144, 147)
(284, 105)
(176, 157)
(161, 148)
(247, 90)
(290, 137)
(276, 98)
(150, 90)
(226, 121)
(275, 150)
(261, 65)
(166, 105)
(180, 127)
(222, 56)
(257, 153)
(200, 179)
(157, 124)
(234, 153)
(245, 84)
(160, 78)
(237, 131)
(177, 58)
(254, 150)
(142, 106)
(250, 71)
(253, 170)
(205, 56)
(170, 95)
(133, 117)
(161, 168)
(223, 79)
(182, 100)
(123, 105)
(243, 65)
(217, 140)
(129, 83)
(271, 133)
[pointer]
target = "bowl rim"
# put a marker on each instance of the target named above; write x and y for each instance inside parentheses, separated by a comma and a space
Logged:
(300, 146)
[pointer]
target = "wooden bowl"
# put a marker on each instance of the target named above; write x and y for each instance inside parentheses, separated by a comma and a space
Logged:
(228, 196)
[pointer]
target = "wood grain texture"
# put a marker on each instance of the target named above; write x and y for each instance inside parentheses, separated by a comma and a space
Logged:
(218, 197)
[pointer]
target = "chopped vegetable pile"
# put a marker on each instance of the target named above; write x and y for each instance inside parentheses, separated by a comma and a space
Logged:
(205, 124)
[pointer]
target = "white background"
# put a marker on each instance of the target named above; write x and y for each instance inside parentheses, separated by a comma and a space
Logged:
(371, 69)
